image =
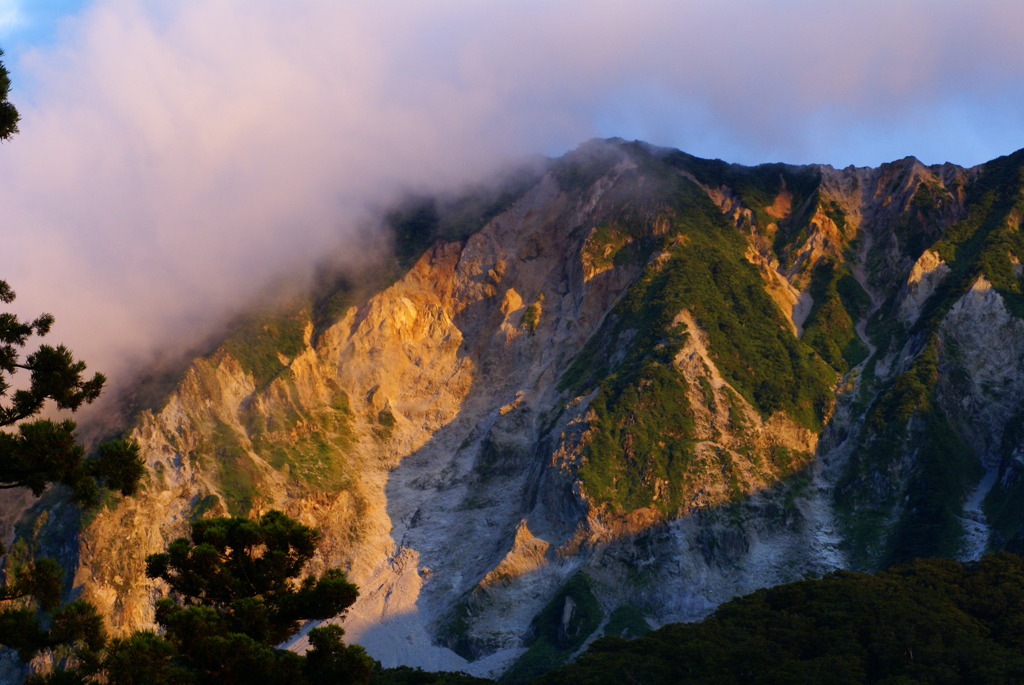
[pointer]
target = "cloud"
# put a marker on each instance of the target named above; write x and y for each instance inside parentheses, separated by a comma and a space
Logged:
(10, 16)
(174, 160)
(175, 157)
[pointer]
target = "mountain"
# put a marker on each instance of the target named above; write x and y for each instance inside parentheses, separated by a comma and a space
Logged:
(608, 395)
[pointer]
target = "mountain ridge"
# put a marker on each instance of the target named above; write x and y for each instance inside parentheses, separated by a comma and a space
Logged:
(681, 378)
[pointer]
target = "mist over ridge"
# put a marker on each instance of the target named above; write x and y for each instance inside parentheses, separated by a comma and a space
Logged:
(176, 159)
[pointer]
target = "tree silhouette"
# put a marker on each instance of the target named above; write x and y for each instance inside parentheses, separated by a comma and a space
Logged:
(37, 453)
(9, 116)
(233, 597)
(42, 452)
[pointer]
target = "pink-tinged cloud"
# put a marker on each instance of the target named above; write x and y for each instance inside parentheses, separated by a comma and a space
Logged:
(175, 157)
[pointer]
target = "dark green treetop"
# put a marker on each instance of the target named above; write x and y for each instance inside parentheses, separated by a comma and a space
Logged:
(39, 453)
(234, 595)
(8, 114)
(243, 570)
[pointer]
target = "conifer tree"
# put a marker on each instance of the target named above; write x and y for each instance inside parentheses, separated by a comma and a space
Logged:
(234, 596)
(37, 453)
(9, 116)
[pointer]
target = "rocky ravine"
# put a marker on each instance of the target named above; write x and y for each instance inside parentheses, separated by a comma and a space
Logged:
(495, 422)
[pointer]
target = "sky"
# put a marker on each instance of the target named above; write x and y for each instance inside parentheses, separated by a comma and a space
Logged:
(175, 157)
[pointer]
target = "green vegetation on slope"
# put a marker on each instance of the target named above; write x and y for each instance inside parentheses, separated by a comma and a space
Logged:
(911, 462)
(749, 339)
(839, 302)
(916, 229)
(531, 317)
(998, 244)
(944, 472)
(911, 471)
(931, 621)
(642, 447)
(259, 341)
(310, 444)
(642, 442)
(910, 393)
(604, 248)
(987, 242)
(758, 187)
(626, 622)
(834, 211)
(236, 473)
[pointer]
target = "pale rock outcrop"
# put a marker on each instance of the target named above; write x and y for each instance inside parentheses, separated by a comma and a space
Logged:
(987, 342)
(925, 276)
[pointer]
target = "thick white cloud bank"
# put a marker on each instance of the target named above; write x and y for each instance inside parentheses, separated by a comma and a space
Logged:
(174, 156)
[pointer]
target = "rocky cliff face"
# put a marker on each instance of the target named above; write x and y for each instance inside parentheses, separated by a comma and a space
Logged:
(641, 384)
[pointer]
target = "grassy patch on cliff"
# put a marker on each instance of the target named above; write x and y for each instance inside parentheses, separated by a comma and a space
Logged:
(531, 317)
(620, 243)
(917, 228)
(310, 445)
(834, 211)
(313, 459)
(259, 341)
(641, 450)
(627, 622)
(944, 472)
(839, 302)
(236, 474)
(910, 393)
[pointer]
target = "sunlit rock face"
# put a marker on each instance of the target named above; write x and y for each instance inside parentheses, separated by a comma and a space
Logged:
(633, 385)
